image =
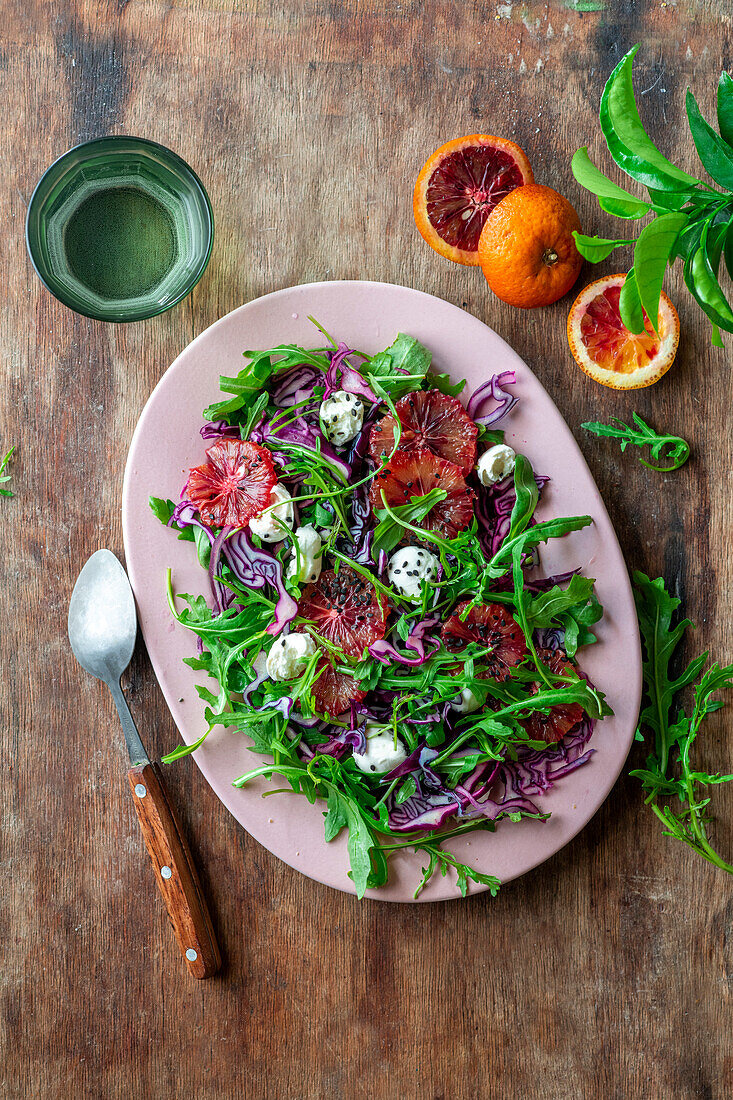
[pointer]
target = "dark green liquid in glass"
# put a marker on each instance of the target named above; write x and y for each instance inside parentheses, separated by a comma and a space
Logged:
(120, 242)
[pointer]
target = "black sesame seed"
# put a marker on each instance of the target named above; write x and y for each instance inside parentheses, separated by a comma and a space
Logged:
(396, 571)
(373, 767)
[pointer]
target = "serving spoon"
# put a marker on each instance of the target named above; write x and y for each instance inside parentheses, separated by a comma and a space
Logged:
(102, 630)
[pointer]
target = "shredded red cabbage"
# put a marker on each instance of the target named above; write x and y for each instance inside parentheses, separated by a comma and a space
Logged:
(295, 385)
(342, 376)
(384, 652)
(254, 568)
(491, 390)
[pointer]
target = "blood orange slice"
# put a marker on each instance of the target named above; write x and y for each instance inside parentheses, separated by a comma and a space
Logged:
(459, 186)
(234, 485)
(487, 625)
(415, 473)
(552, 727)
(605, 349)
(431, 420)
(333, 691)
(345, 609)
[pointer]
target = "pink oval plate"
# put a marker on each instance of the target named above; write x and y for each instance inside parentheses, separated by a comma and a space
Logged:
(166, 443)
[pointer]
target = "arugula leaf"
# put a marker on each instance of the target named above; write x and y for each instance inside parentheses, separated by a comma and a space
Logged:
(666, 776)
(527, 495)
(546, 607)
(252, 378)
(442, 860)
(336, 817)
(254, 413)
(163, 510)
(3, 476)
(669, 448)
(399, 369)
(443, 383)
(391, 526)
(541, 532)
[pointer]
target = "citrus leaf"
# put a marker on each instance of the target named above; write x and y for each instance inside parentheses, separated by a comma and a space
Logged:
(628, 143)
(622, 209)
(703, 284)
(715, 338)
(593, 180)
(704, 273)
(715, 154)
(725, 107)
(595, 249)
(651, 253)
(629, 305)
(688, 240)
(728, 249)
(671, 200)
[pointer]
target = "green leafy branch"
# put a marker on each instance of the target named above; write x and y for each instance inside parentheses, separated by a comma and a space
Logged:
(668, 777)
(692, 221)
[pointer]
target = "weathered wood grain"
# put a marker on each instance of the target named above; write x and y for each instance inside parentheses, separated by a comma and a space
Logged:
(607, 972)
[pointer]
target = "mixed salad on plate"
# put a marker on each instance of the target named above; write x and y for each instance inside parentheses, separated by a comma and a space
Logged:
(376, 620)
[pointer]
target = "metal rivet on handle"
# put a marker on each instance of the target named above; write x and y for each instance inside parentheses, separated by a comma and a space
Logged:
(140, 790)
(166, 872)
(191, 955)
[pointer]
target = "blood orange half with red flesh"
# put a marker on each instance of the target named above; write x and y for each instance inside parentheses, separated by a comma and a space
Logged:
(415, 473)
(345, 608)
(552, 727)
(234, 485)
(605, 349)
(488, 625)
(333, 691)
(429, 420)
(459, 186)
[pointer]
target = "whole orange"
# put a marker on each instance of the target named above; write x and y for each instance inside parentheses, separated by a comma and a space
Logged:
(527, 250)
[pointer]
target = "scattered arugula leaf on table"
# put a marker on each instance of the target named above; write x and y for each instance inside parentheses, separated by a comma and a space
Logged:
(663, 448)
(692, 220)
(668, 777)
(3, 476)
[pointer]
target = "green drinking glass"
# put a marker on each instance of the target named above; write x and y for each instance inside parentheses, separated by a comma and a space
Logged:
(119, 229)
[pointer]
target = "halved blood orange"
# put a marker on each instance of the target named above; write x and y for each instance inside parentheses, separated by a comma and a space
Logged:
(459, 186)
(234, 485)
(415, 473)
(560, 720)
(605, 349)
(488, 625)
(429, 419)
(346, 609)
(333, 691)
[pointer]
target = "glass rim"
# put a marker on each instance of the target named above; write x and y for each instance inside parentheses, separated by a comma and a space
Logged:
(145, 315)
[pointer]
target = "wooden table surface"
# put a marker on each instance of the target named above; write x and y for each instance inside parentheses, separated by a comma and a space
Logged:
(605, 973)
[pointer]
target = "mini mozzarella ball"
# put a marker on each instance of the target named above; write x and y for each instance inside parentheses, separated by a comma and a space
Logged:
(342, 416)
(381, 754)
(409, 567)
(495, 464)
(275, 524)
(309, 545)
(289, 656)
(468, 702)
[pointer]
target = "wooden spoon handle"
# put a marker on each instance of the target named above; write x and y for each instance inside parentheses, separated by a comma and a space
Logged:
(174, 871)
